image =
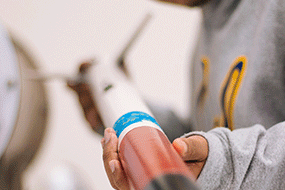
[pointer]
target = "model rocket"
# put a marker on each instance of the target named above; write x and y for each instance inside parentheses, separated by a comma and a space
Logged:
(146, 154)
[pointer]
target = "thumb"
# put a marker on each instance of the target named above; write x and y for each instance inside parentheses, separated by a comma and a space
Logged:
(193, 148)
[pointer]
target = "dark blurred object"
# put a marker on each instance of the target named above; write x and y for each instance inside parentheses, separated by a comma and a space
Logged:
(86, 99)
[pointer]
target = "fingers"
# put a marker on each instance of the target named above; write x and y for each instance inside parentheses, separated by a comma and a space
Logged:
(82, 89)
(84, 66)
(194, 151)
(86, 100)
(193, 148)
(90, 111)
(118, 175)
(110, 152)
(111, 160)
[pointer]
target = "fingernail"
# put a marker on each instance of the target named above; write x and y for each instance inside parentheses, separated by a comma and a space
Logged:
(107, 136)
(182, 146)
(112, 166)
(102, 142)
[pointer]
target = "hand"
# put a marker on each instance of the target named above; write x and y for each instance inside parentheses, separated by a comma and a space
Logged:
(112, 164)
(86, 100)
(193, 150)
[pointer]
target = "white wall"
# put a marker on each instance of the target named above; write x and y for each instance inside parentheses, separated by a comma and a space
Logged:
(61, 33)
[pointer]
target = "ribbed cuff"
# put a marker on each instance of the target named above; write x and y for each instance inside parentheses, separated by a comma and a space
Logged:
(215, 173)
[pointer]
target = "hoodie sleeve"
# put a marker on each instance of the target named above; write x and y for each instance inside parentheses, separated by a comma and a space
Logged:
(248, 158)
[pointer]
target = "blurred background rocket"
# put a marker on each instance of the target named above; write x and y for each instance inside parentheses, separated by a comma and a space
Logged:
(48, 143)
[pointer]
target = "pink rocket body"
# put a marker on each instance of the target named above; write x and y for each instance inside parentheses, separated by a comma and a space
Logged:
(147, 153)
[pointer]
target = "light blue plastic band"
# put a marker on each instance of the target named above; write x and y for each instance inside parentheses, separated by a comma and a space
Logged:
(131, 118)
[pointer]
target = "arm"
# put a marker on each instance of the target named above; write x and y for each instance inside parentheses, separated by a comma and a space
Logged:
(249, 158)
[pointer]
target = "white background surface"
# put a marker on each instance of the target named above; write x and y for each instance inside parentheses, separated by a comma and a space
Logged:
(61, 33)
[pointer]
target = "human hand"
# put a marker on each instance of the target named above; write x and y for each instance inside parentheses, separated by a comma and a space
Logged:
(112, 164)
(193, 150)
(86, 99)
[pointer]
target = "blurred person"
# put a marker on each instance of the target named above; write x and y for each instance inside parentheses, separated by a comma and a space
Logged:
(238, 100)
(23, 111)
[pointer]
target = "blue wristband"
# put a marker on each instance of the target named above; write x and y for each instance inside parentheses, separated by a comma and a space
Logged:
(131, 118)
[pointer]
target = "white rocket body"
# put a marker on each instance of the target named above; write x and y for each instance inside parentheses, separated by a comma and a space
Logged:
(114, 93)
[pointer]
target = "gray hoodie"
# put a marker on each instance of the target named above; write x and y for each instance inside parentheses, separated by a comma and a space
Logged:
(239, 90)
(238, 85)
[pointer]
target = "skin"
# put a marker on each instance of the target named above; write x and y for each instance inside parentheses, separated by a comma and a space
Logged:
(193, 150)
(86, 100)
